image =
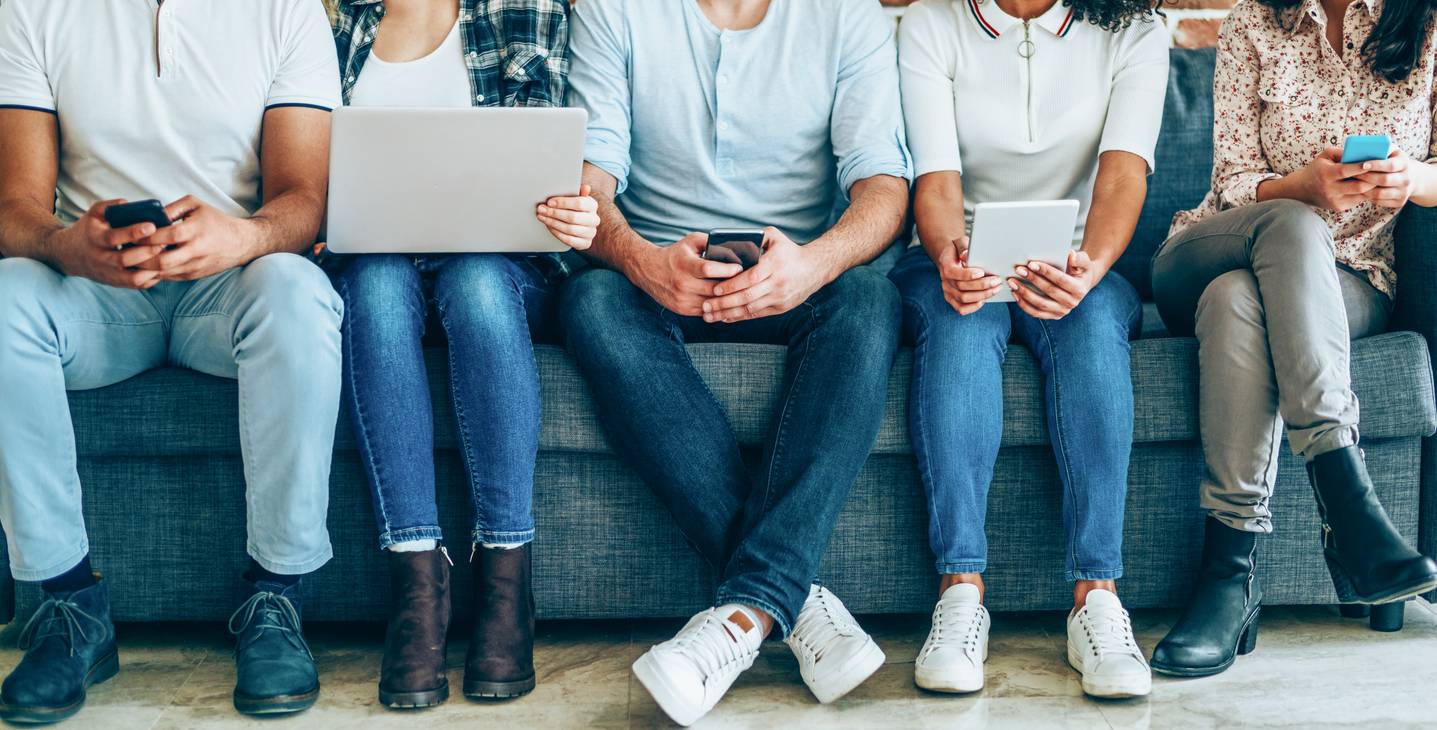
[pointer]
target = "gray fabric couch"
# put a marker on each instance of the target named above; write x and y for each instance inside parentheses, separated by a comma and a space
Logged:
(164, 495)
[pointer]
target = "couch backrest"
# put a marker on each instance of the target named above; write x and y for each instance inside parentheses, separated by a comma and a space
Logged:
(1184, 161)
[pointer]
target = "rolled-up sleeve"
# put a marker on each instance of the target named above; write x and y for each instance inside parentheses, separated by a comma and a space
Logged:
(925, 66)
(867, 123)
(599, 83)
(1239, 164)
(23, 81)
(1140, 83)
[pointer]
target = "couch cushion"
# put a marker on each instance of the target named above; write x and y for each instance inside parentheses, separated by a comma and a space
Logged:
(1392, 374)
(1183, 167)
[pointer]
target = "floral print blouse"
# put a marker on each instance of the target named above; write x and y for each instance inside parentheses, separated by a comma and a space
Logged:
(1282, 94)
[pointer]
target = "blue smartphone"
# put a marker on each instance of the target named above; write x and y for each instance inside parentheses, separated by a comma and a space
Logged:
(1366, 148)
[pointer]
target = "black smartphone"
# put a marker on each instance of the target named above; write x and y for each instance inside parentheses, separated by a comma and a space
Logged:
(125, 215)
(742, 246)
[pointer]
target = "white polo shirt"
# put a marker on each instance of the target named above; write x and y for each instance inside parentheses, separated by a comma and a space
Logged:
(1024, 112)
(163, 100)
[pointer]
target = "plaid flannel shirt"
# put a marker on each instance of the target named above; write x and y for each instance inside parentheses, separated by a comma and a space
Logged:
(517, 51)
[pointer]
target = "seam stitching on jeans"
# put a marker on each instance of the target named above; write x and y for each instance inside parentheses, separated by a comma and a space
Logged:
(916, 419)
(1072, 521)
(363, 433)
(779, 435)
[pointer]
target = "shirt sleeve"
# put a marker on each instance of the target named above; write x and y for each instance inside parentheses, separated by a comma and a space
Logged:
(308, 70)
(1239, 164)
(599, 82)
(23, 81)
(925, 66)
(867, 123)
(1140, 85)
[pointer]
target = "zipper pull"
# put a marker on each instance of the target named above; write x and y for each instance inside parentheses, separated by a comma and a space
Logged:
(473, 551)
(445, 550)
(1326, 535)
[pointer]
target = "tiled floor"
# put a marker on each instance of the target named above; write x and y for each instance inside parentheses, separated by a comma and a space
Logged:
(1312, 669)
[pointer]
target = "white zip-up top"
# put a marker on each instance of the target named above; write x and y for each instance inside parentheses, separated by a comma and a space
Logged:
(1023, 109)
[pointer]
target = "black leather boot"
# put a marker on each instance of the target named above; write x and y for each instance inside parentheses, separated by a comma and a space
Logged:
(412, 674)
(69, 645)
(1367, 557)
(1221, 620)
(500, 662)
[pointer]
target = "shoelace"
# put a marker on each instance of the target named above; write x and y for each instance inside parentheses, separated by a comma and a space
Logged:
(959, 621)
(710, 646)
(269, 612)
(822, 623)
(1109, 631)
(57, 617)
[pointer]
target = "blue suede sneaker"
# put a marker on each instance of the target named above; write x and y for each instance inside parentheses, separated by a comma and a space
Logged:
(275, 672)
(69, 645)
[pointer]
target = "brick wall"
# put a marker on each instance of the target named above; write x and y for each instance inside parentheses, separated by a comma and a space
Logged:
(1192, 23)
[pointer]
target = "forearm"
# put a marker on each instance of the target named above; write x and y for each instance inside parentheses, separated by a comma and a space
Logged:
(938, 211)
(873, 220)
(288, 223)
(1286, 187)
(616, 244)
(1117, 204)
(1424, 189)
(27, 230)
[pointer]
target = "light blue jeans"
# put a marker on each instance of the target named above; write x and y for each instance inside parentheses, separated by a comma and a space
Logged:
(273, 325)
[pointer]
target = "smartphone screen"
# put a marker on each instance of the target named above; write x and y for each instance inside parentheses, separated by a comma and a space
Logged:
(740, 246)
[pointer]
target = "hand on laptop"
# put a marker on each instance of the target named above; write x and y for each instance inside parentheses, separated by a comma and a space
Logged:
(784, 277)
(573, 220)
(91, 249)
(965, 288)
(201, 243)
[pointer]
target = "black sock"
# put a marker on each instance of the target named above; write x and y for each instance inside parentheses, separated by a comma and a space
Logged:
(77, 578)
(257, 573)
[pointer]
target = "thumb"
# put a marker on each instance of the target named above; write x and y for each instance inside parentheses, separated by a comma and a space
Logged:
(1331, 154)
(1078, 262)
(585, 191)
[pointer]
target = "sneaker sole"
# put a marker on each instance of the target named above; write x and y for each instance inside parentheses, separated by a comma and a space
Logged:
(482, 690)
(652, 678)
(414, 700)
(834, 688)
(101, 672)
(1111, 690)
(277, 705)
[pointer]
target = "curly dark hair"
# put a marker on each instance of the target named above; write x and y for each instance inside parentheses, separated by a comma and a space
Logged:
(1392, 50)
(1115, 15)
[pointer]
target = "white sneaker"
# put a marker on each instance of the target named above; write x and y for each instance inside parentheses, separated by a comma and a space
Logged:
(1102, 648)
(951, 660)
(834, 654)
(688, 674)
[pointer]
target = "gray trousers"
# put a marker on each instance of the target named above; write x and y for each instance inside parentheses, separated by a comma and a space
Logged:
(1274, 315)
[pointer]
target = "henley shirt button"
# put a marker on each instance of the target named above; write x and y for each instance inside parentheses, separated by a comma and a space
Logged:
(723, 126)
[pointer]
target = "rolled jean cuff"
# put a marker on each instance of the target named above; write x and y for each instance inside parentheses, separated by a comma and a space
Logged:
(500, 537)
(972, 566)
(1083, 574)
(781, 620)
(410, 534)
(302, 567)
(53, 570)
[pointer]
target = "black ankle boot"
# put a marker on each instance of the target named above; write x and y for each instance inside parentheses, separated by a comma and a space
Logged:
(1221, 620)
(500, 663)
(412, 674)
(70, 645)
(1367, 557)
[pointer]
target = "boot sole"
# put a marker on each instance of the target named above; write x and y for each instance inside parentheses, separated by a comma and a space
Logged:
(101, 672)
(414, 700)
(277, 705)
(1246, 644)
(480, 690)
(1347, 592)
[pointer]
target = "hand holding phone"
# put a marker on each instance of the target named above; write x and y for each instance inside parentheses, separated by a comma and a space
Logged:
(742, 246)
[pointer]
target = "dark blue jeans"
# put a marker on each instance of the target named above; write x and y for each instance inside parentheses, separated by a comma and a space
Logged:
(956, 413)
(488, 304)
(765, 533)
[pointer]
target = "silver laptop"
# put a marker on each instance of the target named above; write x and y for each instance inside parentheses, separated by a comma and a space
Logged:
(449, 180)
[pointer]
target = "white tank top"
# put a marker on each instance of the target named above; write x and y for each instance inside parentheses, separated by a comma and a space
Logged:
(440, 79)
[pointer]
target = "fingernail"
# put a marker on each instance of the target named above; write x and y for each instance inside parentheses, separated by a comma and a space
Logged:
(1013, 285)
(718, 291)
(1034, 264)
(1023, 272)
(979, 273)
(708, 307)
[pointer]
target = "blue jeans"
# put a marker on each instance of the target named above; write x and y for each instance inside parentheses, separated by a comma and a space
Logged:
(273, 325)
(487, 304)
(764, 533)
(956, 413)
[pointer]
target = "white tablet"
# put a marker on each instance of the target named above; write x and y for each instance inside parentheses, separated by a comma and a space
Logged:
(449, 180)
(1008, 234)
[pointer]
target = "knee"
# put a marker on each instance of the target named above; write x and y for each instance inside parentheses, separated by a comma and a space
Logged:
(480, 286)
(865, 304)
(592, 300)
(1294, 226)
(292, 292)
(25, 285)
(1109, 313)
(1231, 297)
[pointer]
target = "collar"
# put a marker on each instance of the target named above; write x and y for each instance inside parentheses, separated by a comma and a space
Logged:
(1312, 9)
(991, 19)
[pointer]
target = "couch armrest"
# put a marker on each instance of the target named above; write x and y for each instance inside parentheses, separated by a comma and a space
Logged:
(1417, 311)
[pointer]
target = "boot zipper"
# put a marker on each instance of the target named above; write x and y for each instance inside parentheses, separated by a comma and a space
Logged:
(445, 550)
(474, 550)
